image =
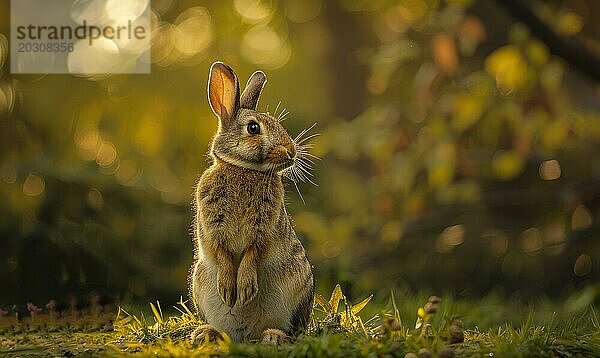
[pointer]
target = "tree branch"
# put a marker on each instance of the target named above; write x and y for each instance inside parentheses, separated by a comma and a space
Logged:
(569, 48)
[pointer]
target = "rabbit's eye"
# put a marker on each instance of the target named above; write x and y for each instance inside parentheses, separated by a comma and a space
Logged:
(253, 128)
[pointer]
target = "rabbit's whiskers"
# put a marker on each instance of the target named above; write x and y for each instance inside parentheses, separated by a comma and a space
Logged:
(301, 170)
(282, 115)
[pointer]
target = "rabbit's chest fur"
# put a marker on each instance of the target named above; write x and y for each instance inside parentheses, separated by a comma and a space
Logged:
(248, 207)
(242, 203)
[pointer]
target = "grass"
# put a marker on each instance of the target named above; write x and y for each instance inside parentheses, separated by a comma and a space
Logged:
(405, 327)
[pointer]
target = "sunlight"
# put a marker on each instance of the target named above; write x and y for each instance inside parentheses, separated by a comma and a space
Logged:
(92, 11)
(128, 173)
(107, 154)
(262, 45)
(102, 57)
(122, 11)
(193, 31)
(253, 11)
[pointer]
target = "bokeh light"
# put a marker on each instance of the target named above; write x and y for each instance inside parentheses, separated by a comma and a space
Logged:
(531, 241)
(106, 155)
(34, 185)
(301, 12)
(3, 50)
(92, 11)
(450, 238)
(193, 31)
(128, 173)
(123, 11)
(550, 170)
(8, 97)
(583, 265)
(508, 67)
(449, 134)
(581, 219)
(8, 173)
(254, 11)
(263, 46)
(94, 199)
(96, 61)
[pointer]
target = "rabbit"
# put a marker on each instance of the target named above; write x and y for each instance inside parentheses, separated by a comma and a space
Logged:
(251, 277)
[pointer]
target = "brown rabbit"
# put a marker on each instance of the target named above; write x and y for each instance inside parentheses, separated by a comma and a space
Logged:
(251, 277)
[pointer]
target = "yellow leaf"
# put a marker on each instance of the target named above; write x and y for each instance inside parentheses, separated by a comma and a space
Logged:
(468, 110)
(345, 319)
(554, 134)
(157, 315)
(359, 306)
(538, 53)
(508, 67)
(350, 321)
(321, 301)
(336, 296)
(441, 174)
(551, 76)
(444, 51)
(570, 24)
(507, 165)
(441, 164)
(223, 342)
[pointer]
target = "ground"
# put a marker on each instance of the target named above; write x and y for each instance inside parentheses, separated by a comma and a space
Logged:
(405, 327)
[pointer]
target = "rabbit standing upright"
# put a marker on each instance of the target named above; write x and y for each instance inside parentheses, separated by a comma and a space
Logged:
(251, 277)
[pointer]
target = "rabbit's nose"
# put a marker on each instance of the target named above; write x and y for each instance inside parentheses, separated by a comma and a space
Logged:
(290, 150)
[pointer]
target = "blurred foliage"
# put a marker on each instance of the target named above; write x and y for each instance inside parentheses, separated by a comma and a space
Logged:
(458, 154)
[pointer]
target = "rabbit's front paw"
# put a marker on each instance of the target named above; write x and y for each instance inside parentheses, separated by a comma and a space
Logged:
(226, 286)
(247, 286)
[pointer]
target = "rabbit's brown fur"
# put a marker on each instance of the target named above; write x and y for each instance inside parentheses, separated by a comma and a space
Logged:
(251, 276)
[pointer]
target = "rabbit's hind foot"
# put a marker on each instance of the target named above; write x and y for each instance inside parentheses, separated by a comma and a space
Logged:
(274, 336)
(204, 333)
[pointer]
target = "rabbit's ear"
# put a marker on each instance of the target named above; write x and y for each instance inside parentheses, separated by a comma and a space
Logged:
(254, 87)
(223, 91)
